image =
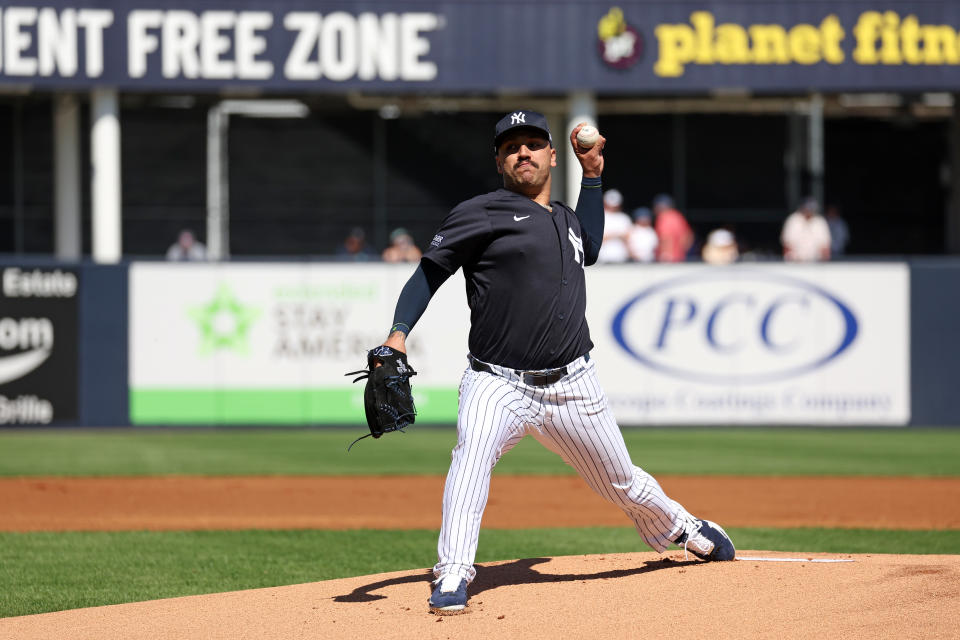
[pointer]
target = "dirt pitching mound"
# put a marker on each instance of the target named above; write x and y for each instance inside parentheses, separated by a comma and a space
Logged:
(617, 595)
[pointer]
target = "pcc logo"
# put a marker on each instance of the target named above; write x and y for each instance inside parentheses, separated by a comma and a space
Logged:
(735, 326)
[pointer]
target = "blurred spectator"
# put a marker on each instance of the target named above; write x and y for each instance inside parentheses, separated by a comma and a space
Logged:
(839, 232)
(721, 247)
(616, 226)
(402, 248)
(676, 236)
(806, 236)
(186, 248)
(642, 241)
(355, 248)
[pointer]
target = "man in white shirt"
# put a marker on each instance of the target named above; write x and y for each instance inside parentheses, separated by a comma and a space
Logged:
(616, 227)
(806, 235)
(642, 240)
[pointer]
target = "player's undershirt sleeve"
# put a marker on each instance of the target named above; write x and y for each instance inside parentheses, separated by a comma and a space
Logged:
(590, 213)
(416, 295)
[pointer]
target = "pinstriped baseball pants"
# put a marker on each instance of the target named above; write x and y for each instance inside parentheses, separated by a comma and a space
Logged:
(571, 418)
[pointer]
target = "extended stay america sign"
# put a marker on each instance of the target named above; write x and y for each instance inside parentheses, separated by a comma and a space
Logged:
(538, 45)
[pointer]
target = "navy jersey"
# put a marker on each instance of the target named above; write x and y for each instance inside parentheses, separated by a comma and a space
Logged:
(525, 281)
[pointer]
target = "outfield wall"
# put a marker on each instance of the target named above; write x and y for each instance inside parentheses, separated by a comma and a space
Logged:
(152, 343)
(935, 341)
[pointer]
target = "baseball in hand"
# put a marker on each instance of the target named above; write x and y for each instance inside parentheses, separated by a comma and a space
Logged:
(587, 136)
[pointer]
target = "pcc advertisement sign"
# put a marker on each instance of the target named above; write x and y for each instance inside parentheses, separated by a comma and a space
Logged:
(753, 344)
(622, 47)
(38, 345)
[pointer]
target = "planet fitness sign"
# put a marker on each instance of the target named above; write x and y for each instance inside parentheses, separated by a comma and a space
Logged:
(291, 45)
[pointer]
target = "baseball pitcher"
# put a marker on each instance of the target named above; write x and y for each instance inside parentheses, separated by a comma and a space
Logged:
(529, 370)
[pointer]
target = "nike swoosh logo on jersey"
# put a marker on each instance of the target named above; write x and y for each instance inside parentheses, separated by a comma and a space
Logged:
(519, 219)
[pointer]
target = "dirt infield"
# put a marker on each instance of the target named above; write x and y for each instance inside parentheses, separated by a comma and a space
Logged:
(405, 502)
(617, 595)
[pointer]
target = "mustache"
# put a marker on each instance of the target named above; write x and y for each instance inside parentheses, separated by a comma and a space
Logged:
(527, 161)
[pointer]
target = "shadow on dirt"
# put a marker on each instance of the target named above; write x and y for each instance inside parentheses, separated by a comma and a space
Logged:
(511, 573)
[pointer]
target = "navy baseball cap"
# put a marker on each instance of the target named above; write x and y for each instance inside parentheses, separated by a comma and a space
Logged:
(522, 119)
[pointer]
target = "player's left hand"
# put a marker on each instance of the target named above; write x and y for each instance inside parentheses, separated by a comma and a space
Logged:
(387, 398)
(591, 159)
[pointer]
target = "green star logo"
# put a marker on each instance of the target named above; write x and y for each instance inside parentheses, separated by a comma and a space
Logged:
(224, 323)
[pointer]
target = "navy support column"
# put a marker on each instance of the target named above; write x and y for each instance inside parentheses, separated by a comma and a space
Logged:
(102, 347)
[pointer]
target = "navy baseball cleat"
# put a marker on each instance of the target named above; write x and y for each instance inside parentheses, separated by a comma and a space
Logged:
(449, 596)
(707, 540)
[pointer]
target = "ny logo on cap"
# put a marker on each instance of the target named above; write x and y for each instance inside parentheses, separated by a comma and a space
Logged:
(518, 117)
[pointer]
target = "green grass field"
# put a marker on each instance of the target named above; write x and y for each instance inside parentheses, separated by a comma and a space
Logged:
(914, 452)
(52, 571)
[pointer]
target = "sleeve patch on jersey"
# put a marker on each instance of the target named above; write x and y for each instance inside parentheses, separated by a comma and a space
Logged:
(436, 241)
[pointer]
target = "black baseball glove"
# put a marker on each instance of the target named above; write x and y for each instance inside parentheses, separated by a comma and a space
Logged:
(387, 399)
